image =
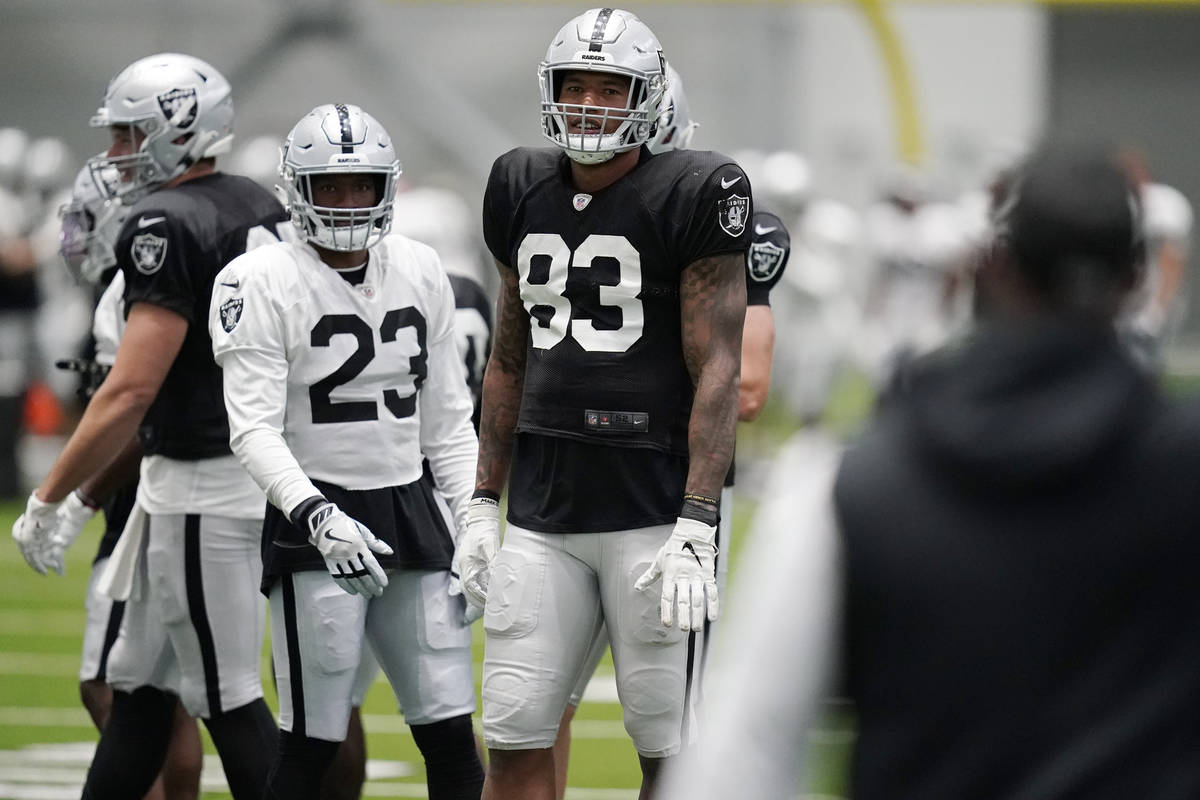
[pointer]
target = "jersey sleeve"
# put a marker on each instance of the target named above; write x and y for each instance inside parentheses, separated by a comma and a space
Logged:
(246, 326)
(770, 246)
(719, 219)
(108, 322)
(153, 253)
(498, 208)
(447, 435)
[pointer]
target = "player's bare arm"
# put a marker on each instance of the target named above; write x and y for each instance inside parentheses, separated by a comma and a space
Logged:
(152, 338)
(758, 343)
(503, 381)
(713, 306)
(122, 470)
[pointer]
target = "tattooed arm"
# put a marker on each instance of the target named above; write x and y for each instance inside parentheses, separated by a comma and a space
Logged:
(503, 382)
(713, 305)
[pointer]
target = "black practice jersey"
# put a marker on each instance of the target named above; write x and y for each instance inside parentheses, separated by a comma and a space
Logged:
(473, 330)
(767, 257)
(171, 247)
(599, 276)
(765, 262)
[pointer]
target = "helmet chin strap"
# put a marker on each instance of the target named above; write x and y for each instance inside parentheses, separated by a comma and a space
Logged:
(590, 157)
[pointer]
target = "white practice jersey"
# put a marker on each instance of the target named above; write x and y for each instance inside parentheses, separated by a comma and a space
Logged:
(347, 384)
(108, 321)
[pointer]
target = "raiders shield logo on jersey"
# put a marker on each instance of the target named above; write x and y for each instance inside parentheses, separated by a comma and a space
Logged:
(765, 260)
(179, 106)
(231, 313)
(148, 252)
(732, 213)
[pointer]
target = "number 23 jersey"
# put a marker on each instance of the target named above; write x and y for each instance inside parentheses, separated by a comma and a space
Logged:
(358, 379)
(599, 277)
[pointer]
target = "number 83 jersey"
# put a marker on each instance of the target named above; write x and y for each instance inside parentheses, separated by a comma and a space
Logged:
(358, 379)
(599, 277)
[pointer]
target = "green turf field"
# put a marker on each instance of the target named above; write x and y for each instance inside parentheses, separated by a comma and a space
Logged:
(46, 736)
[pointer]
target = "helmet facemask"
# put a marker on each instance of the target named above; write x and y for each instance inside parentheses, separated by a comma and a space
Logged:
(637, 118)
(90, 223)
(340, 229)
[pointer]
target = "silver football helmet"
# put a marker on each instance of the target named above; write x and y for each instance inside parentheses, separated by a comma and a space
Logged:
(182, 108)
(90, 224)
(603, 40)
(676, 126)
(339, 139)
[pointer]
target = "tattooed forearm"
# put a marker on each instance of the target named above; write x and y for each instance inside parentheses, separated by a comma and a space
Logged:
(503, 382)
(713, 305)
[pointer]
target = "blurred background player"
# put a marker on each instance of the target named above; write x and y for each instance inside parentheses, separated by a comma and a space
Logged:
(279, 318)
(918, 249)
(765, 263)
(1154, 313)
(198, 617)
(18, 307)
(967, 560)
(818, 302)
(90, 223)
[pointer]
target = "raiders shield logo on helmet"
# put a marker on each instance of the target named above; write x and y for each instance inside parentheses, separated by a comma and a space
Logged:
(732, 213)
(765, 260)
(231, 313)
(179, 106)
(148, 252)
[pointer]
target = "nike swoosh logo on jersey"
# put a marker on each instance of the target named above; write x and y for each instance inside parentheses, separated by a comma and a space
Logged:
(233, 285)
(726, 184)
(146, 222)
(761, 231)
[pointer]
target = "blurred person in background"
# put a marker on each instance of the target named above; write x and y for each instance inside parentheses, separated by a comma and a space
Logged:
(89, 227)
(192, 548)
(1004, 565)
(1155, 312)
(765, 263)
(818, 302)
(19, 300)
(916, 297)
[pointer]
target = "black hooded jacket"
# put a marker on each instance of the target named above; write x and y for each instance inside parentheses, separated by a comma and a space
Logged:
(1022, 539)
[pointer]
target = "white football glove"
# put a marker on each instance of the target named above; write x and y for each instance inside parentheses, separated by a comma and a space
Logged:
(33, 531)
(470, 570)
(687, 565)
(73, 514)
(348, 549)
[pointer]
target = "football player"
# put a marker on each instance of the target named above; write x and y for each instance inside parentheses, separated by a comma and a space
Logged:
(198, 618)
(473, 333)
(765, 262)
(341, 372)
(615, 358)
(89, 225)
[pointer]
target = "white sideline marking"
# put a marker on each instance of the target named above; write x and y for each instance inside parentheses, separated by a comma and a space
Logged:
(14, 622)
(40, 664)
(57, 772)
(46, 717)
